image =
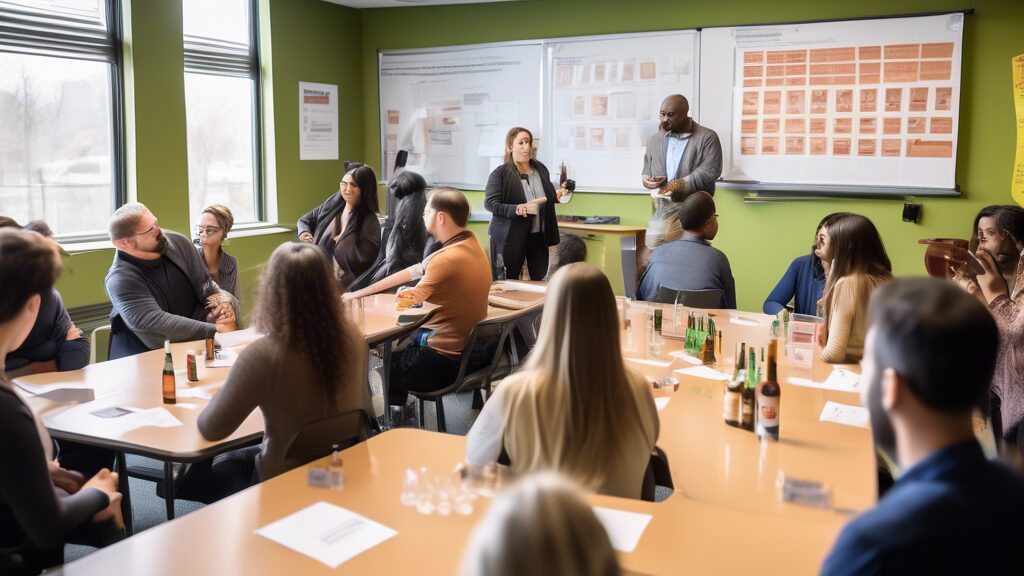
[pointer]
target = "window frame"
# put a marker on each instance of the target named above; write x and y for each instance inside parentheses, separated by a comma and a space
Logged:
(229, 68)
(47, 43)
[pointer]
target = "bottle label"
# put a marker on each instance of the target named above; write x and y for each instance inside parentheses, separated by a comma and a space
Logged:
(731, 410)
(768, 411)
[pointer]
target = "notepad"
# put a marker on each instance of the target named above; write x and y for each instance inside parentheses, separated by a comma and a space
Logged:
(327, 533)
(840, 380)
(624, 528)
(703, 372)
(845, 414)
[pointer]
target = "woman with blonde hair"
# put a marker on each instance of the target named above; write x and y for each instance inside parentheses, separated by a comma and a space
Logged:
(310, 365)
(214, 224)
(858, 265)
(540, 525)
(575, 406)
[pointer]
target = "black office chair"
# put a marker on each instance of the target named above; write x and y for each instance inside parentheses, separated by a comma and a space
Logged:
(365, 278)
(691, 298)
(482, 361)
(318, 438)
(658, 474)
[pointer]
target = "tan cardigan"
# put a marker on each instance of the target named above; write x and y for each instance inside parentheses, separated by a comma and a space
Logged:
(514, 419)
(848, 322)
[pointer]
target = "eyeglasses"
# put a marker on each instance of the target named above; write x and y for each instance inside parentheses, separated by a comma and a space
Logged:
(207, 230)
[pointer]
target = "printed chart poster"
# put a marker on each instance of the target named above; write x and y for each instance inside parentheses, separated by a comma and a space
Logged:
(318, 121)
(604, 96)
(451, 108)
(871, 102)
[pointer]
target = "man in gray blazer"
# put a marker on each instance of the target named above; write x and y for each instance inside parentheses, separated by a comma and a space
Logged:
(683, 157)
(159, 287)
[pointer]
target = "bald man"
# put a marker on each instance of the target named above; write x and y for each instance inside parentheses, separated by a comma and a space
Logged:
(683, 157)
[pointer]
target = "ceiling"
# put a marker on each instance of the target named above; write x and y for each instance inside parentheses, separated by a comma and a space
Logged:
(405, 3)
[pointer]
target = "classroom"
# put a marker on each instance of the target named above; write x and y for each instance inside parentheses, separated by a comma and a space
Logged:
(501, 287)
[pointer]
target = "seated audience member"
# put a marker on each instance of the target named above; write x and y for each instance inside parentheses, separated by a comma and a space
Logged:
(457, 278)
(999, 245)
(310, 365)
(407, 235)
(804, 280)
(540, 525)
(41, 504)
(345, 226)
(214, 224)
(159, 287)
(858, 266)
(55, 343)
(928, 360)
(691, 263)
(574, 406)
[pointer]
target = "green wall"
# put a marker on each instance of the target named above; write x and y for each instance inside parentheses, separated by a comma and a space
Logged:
(760, 239)
(310, 41)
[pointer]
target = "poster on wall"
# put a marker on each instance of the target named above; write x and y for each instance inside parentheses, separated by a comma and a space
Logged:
(318, 121)
(1017, 184)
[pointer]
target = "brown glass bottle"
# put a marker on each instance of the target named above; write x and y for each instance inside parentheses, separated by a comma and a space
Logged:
(733, 393)
(169, 392)
(769, 398)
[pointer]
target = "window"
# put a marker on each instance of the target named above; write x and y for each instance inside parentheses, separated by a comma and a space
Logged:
(61, 136)
(222, 107)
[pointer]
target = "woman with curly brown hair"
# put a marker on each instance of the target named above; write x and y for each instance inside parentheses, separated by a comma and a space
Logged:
(310, 365)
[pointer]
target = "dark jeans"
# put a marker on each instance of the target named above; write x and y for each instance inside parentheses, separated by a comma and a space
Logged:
(419, 369)
(534, 251)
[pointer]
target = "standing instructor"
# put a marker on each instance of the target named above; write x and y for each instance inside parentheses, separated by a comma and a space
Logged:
(683, 157)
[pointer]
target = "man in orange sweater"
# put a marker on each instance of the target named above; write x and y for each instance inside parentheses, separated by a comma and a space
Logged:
(457, 278)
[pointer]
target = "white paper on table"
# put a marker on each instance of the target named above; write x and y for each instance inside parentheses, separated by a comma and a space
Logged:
(524, 287)
(327, 533)
(685, 357)
(742, 321)
(703, 372)
(837, 413)
(34, 389)
(660, 402)
(186, 392)
(839, 380)
(82, 417)
(624, 528)
(658, 363)
(226, 358)
(237, 338)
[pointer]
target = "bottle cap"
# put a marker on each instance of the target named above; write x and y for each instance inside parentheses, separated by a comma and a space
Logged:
(167, 346)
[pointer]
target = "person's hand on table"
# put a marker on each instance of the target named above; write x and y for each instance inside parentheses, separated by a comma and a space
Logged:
(306, 237)
(68, 480)
(991, 283)
(106, 481)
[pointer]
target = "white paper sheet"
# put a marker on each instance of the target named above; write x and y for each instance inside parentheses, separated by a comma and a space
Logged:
(840, 380)
(238, 337)
(685, 357)
(524, 287)
(34, 389)
(624, 528)
(658, 363)
(185, 392)
(327, 533)
(744, 321)
(837, 413)
(660, 402)
(226, 358)
(703, 372)
(83, 417)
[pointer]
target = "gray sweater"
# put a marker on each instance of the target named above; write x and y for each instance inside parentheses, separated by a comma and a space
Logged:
(688, 264)
(282, 383)
(138, 308)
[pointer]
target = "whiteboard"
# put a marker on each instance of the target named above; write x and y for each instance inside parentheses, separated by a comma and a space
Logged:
(857, 105)
(603, 95)
(451, 107)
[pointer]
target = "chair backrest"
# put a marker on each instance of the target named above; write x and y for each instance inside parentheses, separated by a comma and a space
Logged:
(365, 278)
(691, 298)
(318, 438)
(485, 334)
(627, 248)
(93, 341)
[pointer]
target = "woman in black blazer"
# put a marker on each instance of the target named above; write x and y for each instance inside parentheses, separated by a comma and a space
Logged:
(522, 200)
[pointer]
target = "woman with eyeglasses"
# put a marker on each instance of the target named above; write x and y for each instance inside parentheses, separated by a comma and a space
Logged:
(214, 224)
(345, 226)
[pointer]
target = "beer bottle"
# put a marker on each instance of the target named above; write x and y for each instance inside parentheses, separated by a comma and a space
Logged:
(732, 396)
(768, 400)
(748, 405)
(168, 375)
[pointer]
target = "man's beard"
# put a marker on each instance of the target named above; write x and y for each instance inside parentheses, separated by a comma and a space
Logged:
(161, 245)
(881, 426)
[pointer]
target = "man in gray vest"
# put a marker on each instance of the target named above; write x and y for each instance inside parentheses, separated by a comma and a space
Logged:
(683, 157)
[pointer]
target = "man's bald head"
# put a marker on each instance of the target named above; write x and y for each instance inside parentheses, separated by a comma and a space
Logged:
(675, 114)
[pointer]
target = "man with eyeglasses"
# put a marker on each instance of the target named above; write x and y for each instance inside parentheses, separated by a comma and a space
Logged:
(159, 287)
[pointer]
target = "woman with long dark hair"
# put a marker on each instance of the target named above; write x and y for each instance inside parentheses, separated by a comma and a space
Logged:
(311, 363)
(345, 226)
(804, 280)
(522, 201)
(859, 264)
(407, 235)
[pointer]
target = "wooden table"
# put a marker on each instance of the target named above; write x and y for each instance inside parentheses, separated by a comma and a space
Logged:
(135, 382)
